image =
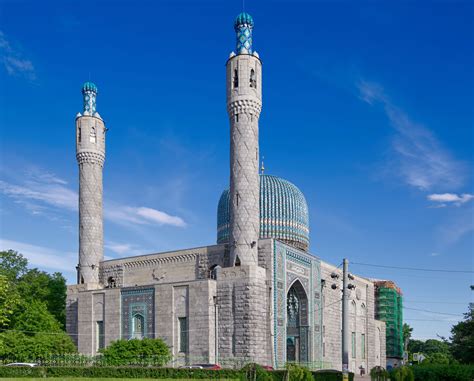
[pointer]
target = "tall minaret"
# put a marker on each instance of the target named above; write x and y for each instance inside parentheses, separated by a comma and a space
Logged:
(244, 103)
(90, 154)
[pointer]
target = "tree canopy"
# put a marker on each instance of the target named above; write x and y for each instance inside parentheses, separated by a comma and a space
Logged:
(32, 311)
(462, 339)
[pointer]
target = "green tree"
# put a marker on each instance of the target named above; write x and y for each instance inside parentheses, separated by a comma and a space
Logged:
(16, 346)
(33, 317)
(407, 331)
(462, 339)
(51, 289)
(9, 299)
(12, 264)
(134, 352)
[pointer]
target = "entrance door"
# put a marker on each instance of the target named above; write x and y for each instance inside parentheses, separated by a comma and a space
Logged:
(292, 346)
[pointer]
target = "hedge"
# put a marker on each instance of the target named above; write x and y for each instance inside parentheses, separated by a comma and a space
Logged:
(149, 372)
(451, 372)
(120, 372)
(330, 375)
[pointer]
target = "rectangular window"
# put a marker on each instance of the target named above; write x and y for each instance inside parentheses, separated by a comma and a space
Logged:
(183, 334)
(362, 345)
(100, 335)
(324, 349)
(353, 345)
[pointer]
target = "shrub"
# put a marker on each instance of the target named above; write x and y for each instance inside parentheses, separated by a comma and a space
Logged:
(137, 352)
(378, 373)
(299, 373)
(255, 372)
(402, 373)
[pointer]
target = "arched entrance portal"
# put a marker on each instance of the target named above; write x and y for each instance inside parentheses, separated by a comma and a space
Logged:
(297, 324)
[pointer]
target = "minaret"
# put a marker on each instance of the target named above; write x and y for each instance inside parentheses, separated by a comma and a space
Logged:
(90, 154)
(244, 103)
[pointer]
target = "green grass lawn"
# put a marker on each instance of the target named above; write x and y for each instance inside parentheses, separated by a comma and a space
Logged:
(102, 379)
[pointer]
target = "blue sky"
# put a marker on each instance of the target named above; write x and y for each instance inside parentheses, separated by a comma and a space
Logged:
(368, 109)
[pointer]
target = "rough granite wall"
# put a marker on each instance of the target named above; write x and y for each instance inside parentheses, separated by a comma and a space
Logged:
(361, 322)
(90, 154)
(243, 305)
(244, 103)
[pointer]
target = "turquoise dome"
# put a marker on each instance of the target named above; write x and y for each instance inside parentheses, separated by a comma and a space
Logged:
(243, 19)
(89, 86)
(283, 213)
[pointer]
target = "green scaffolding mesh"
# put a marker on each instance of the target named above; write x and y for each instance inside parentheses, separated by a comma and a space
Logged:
(389, 308)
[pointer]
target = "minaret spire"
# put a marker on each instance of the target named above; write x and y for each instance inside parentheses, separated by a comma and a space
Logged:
(244, 103)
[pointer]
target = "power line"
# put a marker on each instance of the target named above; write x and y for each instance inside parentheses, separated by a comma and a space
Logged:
(433, 312)
(445, 321)
(413, 268)
(433, 302)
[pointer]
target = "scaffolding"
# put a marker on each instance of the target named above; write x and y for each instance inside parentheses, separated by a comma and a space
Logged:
(389, 308)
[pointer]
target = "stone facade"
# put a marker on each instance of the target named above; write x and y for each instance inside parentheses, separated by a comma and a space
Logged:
(250, 308)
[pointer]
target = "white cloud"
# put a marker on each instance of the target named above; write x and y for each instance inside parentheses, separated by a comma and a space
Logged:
(43, 190)
(421, 160)
(42, 257)
(13, 61)
(450, 198)
(124, 249)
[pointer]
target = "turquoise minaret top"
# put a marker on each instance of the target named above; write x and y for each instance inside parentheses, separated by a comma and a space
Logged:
(89, 93)
(243, 26)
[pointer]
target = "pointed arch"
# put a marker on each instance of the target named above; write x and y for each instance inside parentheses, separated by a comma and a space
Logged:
(297, 328)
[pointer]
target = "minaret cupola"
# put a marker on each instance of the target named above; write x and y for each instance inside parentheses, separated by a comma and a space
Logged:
(89, 94)
(243, 26)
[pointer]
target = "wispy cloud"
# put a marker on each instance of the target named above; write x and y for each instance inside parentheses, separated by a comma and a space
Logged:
(421, 159)
(43, 257)
(13, 61)
(43, 190)
(124, 249)
(446, 199)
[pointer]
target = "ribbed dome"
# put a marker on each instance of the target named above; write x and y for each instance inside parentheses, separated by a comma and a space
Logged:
(283, 213)
(243, 19)
(89, 86)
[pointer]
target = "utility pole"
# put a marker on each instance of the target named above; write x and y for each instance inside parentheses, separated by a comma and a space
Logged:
(345, 320)
(346, 286)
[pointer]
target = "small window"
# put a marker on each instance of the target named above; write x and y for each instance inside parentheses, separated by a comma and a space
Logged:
(253, 81)
(236, 79)
(100, 335)
(353, 342)
(111, 283)
(362, 345)
(324, 349)
(236, 118)
(79, 135)
(93, 135)
(183, 334)
(237, 261)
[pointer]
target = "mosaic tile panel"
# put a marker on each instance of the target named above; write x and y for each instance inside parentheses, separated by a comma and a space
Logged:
(138, 301)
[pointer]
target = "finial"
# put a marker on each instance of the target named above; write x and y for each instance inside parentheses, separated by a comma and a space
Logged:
(243, 26)
(89, 93)
(262, 168)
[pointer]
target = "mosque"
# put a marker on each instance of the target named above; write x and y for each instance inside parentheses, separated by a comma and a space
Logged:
(258, 295)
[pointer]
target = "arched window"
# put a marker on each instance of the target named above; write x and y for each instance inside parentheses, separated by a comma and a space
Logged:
(236, 78)
(138, 329)
(362, 309)
(353, 307)
(253, 80)
(237, 261)
(93, 135)
(213, 271)
(111, 283)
